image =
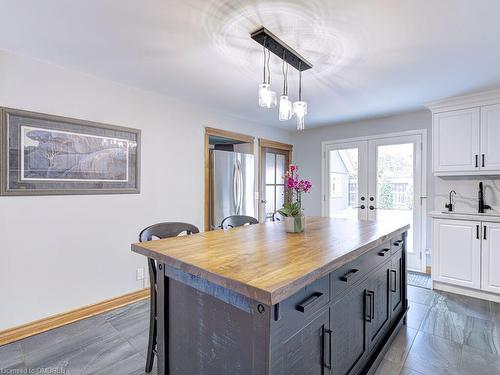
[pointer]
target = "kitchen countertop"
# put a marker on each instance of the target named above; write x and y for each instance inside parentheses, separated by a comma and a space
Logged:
(265, 263)
(488, 217)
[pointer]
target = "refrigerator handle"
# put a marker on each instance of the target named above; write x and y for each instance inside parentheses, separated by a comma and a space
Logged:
(235, 187)
(240, 187)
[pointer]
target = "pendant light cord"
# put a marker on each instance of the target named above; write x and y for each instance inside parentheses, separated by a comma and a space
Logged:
(268, 69)
(264, 65)
(285, 75)
(300, 82)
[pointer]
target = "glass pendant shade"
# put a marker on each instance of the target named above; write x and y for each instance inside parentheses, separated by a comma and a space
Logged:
(285, 109)
(267, 97)
(300, 112)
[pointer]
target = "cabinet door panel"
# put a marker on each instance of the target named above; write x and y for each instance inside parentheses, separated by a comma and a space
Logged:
(457, 252)
(381, 309)
(396, 283)
(491, 257)
(349, 341)
(490, 136)
(456, 141)
(303, 352)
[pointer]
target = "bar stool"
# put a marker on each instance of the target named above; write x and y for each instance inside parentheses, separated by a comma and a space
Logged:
(160, 230)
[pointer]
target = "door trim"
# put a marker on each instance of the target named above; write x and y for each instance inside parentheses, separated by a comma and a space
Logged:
(423, 182)
(225, 134)
(267, 143)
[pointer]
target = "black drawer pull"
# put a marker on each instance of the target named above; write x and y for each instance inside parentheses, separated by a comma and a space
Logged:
(398, 243)
(383, 252)
(327, 341)
(349, 274)
(310, 302)
(369, 316)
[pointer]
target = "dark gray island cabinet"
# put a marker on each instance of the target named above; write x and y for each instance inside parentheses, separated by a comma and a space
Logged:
(259, 301)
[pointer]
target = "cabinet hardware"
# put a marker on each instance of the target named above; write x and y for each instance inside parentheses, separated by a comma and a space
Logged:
(477, 231)
(484, 232)
(362, 207)
(362, 198)
(371, 305)
(383, 252)
(327, 340)
(398, 243)
(310, 302)
(349, 274)
(394, 289)
(372, 199)
(477, 161)
(373, 208)
(482, 160)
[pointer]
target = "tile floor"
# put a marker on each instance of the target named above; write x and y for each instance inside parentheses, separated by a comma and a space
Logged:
(445, 334)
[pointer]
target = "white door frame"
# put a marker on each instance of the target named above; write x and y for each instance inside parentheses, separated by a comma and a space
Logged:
(327, 145)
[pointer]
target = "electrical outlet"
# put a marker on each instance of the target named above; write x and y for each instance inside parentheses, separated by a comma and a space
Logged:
(139, 274)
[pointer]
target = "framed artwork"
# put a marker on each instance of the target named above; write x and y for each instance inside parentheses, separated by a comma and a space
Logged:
(50, 155)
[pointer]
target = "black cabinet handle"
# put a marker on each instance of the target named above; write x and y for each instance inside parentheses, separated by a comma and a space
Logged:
(482, 160)
(372, 208)
(383, 252)
(327, 354)
(477, 161)
(349, 274)
(477, 231)
(484, 232)
(398, 243)
(394, 288)
(310, 302)
(370, 315)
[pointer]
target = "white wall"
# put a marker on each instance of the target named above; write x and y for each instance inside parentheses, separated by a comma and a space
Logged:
(61, 252)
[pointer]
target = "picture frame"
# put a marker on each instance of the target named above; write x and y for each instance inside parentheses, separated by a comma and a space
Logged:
(42, 154)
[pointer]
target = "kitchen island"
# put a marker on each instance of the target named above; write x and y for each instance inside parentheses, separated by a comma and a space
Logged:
(257, 300)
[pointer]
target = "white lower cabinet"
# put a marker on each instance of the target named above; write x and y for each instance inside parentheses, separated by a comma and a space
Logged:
(457, 255)
(491, 257)
(467, 253)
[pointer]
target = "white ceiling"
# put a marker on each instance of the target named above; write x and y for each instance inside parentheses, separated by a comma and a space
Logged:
(370, 58)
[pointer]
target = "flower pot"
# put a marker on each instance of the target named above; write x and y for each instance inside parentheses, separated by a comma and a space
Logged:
(295, 224)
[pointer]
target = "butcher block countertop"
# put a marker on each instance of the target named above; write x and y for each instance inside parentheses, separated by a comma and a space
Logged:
(265, 263)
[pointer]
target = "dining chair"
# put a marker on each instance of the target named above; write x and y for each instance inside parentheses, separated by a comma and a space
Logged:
(160, 230)
(234, 221)
(276, 216)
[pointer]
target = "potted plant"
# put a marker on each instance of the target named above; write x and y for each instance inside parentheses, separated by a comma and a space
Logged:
(292, 208)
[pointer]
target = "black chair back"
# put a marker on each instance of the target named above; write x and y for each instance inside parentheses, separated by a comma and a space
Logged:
(160, 230)
(237, 221)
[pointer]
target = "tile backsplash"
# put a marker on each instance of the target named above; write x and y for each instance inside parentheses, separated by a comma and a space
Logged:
(467, 189)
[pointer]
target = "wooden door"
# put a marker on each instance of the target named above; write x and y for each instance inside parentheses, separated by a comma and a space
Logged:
(457, 252)
(456, 141)
(396, 283)
(490, 136)
(308, 351)
(380, 315)
(349, 339)
(491, 257)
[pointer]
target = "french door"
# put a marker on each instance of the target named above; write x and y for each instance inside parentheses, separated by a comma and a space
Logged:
(378, 179)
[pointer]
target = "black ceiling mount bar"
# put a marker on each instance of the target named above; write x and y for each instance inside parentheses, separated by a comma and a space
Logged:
(280, 49)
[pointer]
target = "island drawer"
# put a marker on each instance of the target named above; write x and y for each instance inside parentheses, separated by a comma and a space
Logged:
(296, 309)
(347, 275)
(397, 244)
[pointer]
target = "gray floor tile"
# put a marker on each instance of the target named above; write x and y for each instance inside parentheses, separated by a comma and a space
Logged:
(431, 355)
(463, 305)
(479, 363)
(480, 334)
(416, 314)
(421, 295)
(401, 345)
(445, 324)
(133, 365)
(11, 356)
(409, 371)
(387, 367)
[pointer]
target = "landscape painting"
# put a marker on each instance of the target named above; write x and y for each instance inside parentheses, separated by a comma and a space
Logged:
(51, 155)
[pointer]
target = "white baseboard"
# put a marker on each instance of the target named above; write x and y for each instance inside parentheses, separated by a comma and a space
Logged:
(466, 291)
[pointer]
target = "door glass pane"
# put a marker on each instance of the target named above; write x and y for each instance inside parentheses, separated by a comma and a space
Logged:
(280, 168)
(270, 168)
(395, 197)
(270, 205)
(343, 183)
(280, 196)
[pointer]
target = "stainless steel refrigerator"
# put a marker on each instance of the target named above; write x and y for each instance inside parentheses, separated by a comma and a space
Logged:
(231, 185)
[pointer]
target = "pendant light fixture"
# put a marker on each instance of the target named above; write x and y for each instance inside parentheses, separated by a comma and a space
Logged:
(267, 97)
(285, 108)
(300, 107)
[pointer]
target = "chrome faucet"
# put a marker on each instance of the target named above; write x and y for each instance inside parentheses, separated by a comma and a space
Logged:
(482, 206)
(449, 206)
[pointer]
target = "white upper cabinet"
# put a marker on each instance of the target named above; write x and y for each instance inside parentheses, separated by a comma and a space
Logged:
(466, 135)
(490, 138)
(456, 141)
(491, 257)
